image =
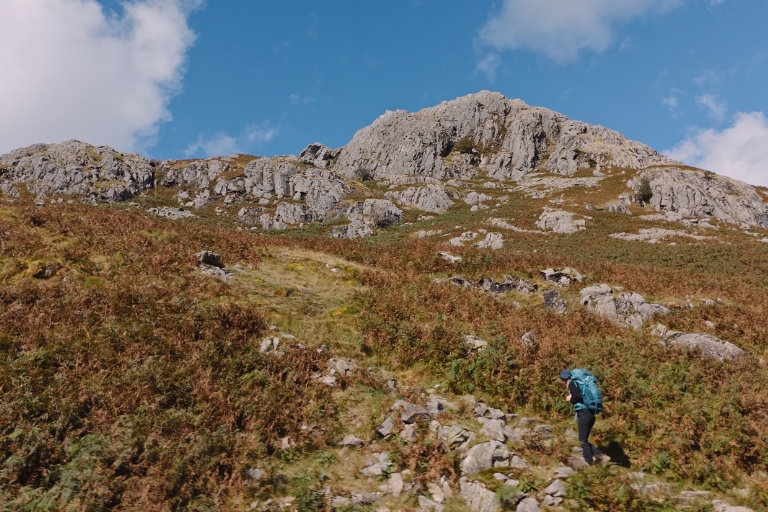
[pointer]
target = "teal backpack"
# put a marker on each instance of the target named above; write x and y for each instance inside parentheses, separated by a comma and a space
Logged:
(587, 384)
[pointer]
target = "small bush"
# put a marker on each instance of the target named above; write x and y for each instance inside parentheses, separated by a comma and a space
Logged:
(644, 193)
(592, 162)
(465, 146)
(364, 174)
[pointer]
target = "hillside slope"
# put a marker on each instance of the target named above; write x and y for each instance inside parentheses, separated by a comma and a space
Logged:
(381, 325)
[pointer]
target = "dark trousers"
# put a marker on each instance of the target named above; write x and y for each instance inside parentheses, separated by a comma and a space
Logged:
(586, 420)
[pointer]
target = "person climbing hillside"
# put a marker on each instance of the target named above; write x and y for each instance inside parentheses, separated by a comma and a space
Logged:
(586, 399)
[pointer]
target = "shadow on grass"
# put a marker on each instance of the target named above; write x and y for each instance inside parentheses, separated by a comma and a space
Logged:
(617, 454)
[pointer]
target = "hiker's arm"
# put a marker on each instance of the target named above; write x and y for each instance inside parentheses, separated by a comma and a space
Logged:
(576, 397)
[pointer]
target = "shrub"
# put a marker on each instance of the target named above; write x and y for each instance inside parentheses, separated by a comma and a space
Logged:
(644, 193)
(465, 146)
(364, 174)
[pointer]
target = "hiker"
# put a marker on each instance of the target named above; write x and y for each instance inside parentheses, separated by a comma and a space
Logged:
(586, 399)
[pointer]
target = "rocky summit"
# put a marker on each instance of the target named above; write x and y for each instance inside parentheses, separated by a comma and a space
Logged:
(381, 326)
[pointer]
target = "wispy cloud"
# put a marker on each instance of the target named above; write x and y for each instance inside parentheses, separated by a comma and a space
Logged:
(710, 102)
(739, 151)
(103, 78)
(220, 144)
(488, 66)
(561, 29)
(673, 101)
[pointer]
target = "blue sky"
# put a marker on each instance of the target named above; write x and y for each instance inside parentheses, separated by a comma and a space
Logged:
(270, 77)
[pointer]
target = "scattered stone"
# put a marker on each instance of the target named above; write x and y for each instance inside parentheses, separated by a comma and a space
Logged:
(492, 241)
(528, 421)
(629, 309)
(556, 488)
(577, 462)
(171, 213)
(528, 505)
(563, 472)
(710, 346)
(721, 506)
(209, 258)
(460, 240)
(555, 302)
(436, 491)
(409, 433)
(269, 345)
(529, 339)
(551, 501)
(482, 410)
(560, 222)
(385, 429)
(367, 498)
(544, 431)
(478, 497)
(430, 505)
(256, 474)
(484, 456)
(338, 502)
(341, 366)
(656, 235)
(518, 463)
(377, 466)
(395, 484)
(411, 412)
(494, 429)
(451, 258)
(453, 435)
(351, 440)
(563, 277)
(688, 497)
(475, 343)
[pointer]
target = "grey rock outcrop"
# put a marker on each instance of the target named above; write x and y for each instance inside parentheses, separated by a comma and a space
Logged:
(428, 198)
(365, 217)
(699, 194)
(91, 173)
(563, 277)
(171, 213)
(491, 454)
(580, 144)
(710, 346)
(559, 221)
(515, 138)
(625, 309)
(318, 155)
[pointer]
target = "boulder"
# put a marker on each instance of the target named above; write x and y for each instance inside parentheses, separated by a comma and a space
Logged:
(710, 346)
(478, 497)
(365, 216)
(483, 456)
(493, 241)
(559, 221)
(556, 488)
(318, 155)
(528, 505)
(554, 301)
(351, 440)
(171, 213)
(430, 505)
(563, 277)
(474, 342)
(721, 506)
(629, 309)
(428, 198)
(395, 484)
(209, 258)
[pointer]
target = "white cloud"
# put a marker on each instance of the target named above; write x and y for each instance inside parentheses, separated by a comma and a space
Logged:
(560, 29)
(710, 102)
(72, 71)
(222, 144)
(488, 66)
(740, 151)
(670, 101)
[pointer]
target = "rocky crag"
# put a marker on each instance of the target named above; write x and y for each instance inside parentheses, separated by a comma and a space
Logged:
(426, 161)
